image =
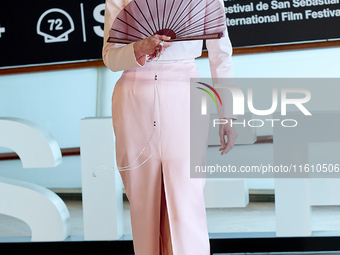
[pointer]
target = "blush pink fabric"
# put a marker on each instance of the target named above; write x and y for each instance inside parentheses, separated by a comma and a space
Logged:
(167, 208)
(176, 216)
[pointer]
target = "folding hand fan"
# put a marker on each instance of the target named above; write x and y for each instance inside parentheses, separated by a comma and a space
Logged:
(180, 19)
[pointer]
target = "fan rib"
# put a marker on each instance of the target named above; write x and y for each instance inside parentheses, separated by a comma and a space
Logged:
(179, 23)
(153, 21)
(131, 25)
(199, 20)
(159, 25)
(176, 24)
(197, 14)
(199, 37)
(181, 32)
(164, 13)
(126, 33)
(153, 32)
(170, 25)
(173, 2)
(139, 24)
(205, 29)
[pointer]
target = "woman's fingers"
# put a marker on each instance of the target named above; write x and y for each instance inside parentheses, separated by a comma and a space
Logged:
(230, 132)
(167, 44)
(165, 39)
(162, 37)
(150, 44)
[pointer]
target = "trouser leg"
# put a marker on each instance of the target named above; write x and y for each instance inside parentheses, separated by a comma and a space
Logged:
(143, 189)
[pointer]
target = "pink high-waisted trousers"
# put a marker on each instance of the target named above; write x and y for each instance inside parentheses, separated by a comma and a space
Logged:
(167, 207)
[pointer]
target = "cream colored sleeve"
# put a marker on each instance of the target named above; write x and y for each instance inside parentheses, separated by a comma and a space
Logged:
(221, 66)
(116, 57)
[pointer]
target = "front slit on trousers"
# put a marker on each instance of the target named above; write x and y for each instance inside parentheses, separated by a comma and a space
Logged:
(165, 234)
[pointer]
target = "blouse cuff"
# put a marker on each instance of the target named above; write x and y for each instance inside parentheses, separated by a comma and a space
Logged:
(122, 58)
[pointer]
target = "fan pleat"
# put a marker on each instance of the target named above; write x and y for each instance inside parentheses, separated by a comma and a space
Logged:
(179, 32)
(174, 25)
(132, 26)
(138, 23)
(146, 20)
(151, 14)
(127, 34)
(157, 9)
(171, 24)
(164, 13)
(191, 17)
(173, 2)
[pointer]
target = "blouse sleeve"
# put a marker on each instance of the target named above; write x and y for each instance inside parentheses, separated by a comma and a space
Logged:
(221, 66)
(116, 57)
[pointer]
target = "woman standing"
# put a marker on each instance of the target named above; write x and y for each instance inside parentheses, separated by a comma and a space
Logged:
(167, 206)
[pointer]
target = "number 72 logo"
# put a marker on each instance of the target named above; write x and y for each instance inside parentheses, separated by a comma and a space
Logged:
(55, 25)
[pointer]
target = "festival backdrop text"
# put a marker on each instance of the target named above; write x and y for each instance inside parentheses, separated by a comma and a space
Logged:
(46, 32)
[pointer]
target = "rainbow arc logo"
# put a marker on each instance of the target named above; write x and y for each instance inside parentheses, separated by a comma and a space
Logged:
(204, 101)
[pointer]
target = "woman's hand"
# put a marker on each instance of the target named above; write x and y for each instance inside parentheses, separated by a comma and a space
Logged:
(229, 131)
(148, 46)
